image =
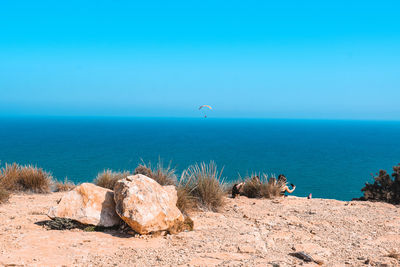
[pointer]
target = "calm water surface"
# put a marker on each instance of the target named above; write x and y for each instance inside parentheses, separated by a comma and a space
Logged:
(330, 159)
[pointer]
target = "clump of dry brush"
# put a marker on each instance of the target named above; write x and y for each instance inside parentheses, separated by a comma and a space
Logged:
(14, 177)
(66, 185)
(4, 195)
(201, 187)
(159, 173)
(260, 186)
(108, 178)
(28, 178)
(384, 187)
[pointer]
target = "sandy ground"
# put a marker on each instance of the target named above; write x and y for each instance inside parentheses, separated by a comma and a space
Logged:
(247, 232)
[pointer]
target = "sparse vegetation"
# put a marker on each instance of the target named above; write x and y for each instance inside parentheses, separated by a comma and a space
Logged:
(384, 187)
(202, 184)
(186, 225)
(162, 175)
(108, 178)
(252, 186)
(143, 169)
(264, 187)
(68, 224)
(14, 177)
(63, 186)
(186, 201)
(4, 195)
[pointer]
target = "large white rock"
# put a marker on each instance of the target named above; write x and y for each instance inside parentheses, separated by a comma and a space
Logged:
(145, 205)
(88, 204)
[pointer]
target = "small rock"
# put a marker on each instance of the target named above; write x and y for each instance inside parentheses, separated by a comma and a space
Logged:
(246, 249)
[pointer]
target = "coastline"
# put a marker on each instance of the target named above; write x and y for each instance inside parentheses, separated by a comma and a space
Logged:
(246, 232)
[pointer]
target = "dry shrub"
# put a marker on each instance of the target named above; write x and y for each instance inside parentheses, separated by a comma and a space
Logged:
(186, 202)
(186, 225)
(9, 176)
(162, 175)
(108, 178)
(252, 186)
(143, 169)
(25, 178)
(64, 186)
(256, 187)
(4, 195)
(202, 184)
(384, 187)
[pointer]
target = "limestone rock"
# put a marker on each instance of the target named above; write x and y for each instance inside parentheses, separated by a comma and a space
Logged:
(145, 205)
(87, 204)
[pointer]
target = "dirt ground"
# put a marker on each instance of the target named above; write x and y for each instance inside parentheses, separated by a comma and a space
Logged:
(247, 232)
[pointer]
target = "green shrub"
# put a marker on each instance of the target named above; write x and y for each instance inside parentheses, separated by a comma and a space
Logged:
(108, 178)
(15, 177)
(384, 187)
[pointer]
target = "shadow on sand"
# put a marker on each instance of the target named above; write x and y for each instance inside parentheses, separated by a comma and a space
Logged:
(69, 224)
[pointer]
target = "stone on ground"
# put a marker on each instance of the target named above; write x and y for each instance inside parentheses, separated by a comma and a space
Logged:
(87, 204)
(145, 205)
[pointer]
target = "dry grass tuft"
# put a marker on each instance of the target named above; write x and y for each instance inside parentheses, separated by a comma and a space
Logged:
(252, 186)
(143, 169)
(64, 186)
(15, 177)
(186, 202)
(256, 187)
(108, 178)
(4, 195)
(9, 176)
(162, 175)
(201, 184)
(186, 225)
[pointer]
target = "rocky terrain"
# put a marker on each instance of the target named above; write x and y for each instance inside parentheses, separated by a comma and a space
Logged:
(246, 232)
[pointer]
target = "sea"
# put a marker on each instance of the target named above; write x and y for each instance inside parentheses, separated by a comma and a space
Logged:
(327, 158)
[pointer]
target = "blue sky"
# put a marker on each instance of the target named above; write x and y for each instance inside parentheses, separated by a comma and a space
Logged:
(264, 59)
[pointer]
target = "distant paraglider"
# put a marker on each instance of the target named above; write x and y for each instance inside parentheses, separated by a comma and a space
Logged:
(205, 106)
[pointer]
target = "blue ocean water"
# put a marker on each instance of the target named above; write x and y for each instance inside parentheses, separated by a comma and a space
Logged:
(330, 159)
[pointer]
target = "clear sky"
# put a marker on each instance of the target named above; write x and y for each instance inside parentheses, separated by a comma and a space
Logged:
(271, 59)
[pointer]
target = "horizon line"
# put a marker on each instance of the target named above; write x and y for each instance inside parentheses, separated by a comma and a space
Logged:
(21, 116)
